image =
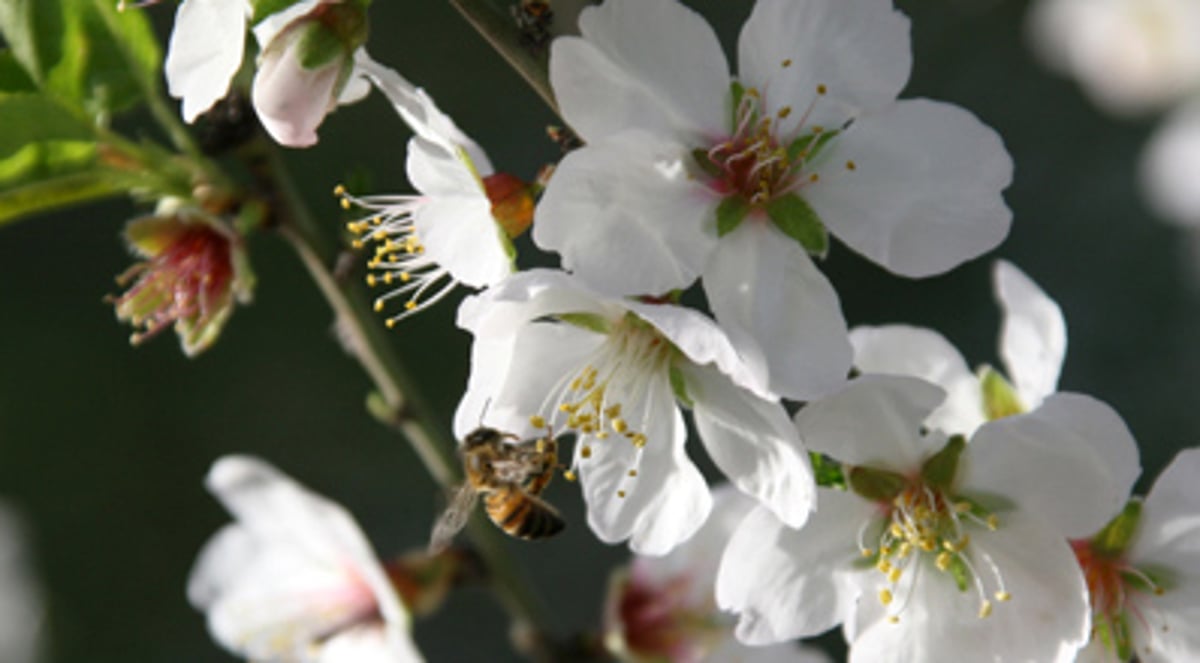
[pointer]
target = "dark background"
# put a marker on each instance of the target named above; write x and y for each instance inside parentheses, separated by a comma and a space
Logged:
(103, 447)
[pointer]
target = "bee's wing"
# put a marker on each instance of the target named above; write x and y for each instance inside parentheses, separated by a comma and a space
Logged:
(453, 519)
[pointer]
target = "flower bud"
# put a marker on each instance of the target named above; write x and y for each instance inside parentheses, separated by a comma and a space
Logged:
(658, 619)
(189, 277)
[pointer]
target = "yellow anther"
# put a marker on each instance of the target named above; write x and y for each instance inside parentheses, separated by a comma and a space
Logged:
(378, 305)
(602, 435)
(1159, 591)
(985, 609)
(339, 190)
(569, 475)
(894, 575)
(943, 560)
(620, 493)
(885, 551)
(883, 565)
(613, 411)
(962, 507)
(821, 89)
(371, 280)
(893, 619)
(618, 424)
(850, 165)
(786, 63)
(357, 243)
(817, 129)
(633, 473)
(391, 322)
(814, 177)
(588, 428)
(566, 407)
(576, 384)
(585, 452)
(928, 544)
(1003, 596)
(537, 421)
(885, 596)
(784, 112)
(345, 202)
(410, 304)
(639, 440)
(993, 522)
(405, 277)
(897, 531)
(905, 550)
(867, 552)
(387, 278)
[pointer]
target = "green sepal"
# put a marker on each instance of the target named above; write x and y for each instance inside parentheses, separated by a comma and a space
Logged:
(261, 9)
(13, 77)
(961, 573)
(32, 118)
(999, 396)
(1150, 579)
(700, 156)
(737, 92)
(679, 387)
(1113, 632)
(797, 219)
(941, 468)
(876, 485)
(588, 321)
(808, 146)
(1114, 539)
(730, 214)
(319, 46)
(827, 472)
(59, 191)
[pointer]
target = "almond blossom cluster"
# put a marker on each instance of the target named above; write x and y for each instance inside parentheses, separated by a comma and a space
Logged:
(873, 481)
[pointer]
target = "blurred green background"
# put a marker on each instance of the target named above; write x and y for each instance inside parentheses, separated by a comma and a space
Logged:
(103, 447)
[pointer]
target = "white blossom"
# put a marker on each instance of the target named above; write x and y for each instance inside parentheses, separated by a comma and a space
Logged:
(941, 550)
(293, 579)
(21, 605)
(550, 352)
(689, 172)
(1170, 167)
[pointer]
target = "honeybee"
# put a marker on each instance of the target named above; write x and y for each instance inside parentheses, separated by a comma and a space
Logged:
(510, 477)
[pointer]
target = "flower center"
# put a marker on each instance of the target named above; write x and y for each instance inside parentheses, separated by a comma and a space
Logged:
(1115, 588)
(594, 400)
(657, 618)
(923, 524)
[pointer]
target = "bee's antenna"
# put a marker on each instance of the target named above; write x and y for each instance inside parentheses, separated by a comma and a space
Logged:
(483, 413)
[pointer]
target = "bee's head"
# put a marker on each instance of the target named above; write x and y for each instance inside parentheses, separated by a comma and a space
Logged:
(482, 436)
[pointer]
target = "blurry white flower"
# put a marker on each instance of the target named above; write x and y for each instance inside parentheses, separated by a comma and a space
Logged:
(1130, 55)
(21, 611)
(305, 61)
(940, 550)
(689, 172)
(293, 579)
(550, 352)
(456, 230)
(1033, 343)
(1171, 166)
(1143, 573)
(663, 608)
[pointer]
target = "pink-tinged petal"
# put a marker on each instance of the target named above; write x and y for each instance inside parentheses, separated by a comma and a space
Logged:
(1033, 336)
(369, 644)
(858, 50)
(1170, 164)
(873, 422)
(643, 64)
(1169, 531)
(628, 216)
(786, 583)
(753, 443)
(291, 101)
(703, 343)
(915, 187)
(266, 30)
(1046, 620)
(421, 114)
(667, 501)
(204, 52)
(1072, 460)
(454, 223)
(926, 354)
(763, 286)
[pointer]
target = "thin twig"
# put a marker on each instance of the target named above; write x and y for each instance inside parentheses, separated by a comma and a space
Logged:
(504, 36)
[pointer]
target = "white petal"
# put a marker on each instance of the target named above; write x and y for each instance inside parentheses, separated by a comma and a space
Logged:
(1072, 461)
(266, 30)
(455, 222)
(926, 354)
(204, 52)
(1169, 632)
(21, 610)
(858, 49)
(1033, 336)
(787, 583)
(667, 501)
(753, 443)
(924, 193)
(644, 64)
(1170, 164)
(421, 114)
(732, 650)
(628, 216)
(1169, 531)
(291, 100)
(873, 422)
(1046, 620)
(531, 294)
(703, 342)
(369, 644)
(762, 283)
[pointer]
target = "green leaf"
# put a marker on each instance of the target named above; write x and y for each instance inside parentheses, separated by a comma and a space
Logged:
(12, 76)
(30, 118)
(798, 220)
(999, 397)
(876, 485)
(730, 214)
(941, 468)
(68, 48)
(48, 194)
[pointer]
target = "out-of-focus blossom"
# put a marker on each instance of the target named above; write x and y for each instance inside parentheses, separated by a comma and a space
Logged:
(293, 579)
(456, 230)
(663, 608)
(1130, 55)
(1143, 573)
(940, 549)
(551, 352)
(1171, 167)
(690, 172)
(21, 610)
(305, 62)
(192, 272)
(1033, 343)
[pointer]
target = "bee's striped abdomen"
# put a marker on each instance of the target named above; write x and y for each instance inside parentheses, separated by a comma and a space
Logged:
(521, 515)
